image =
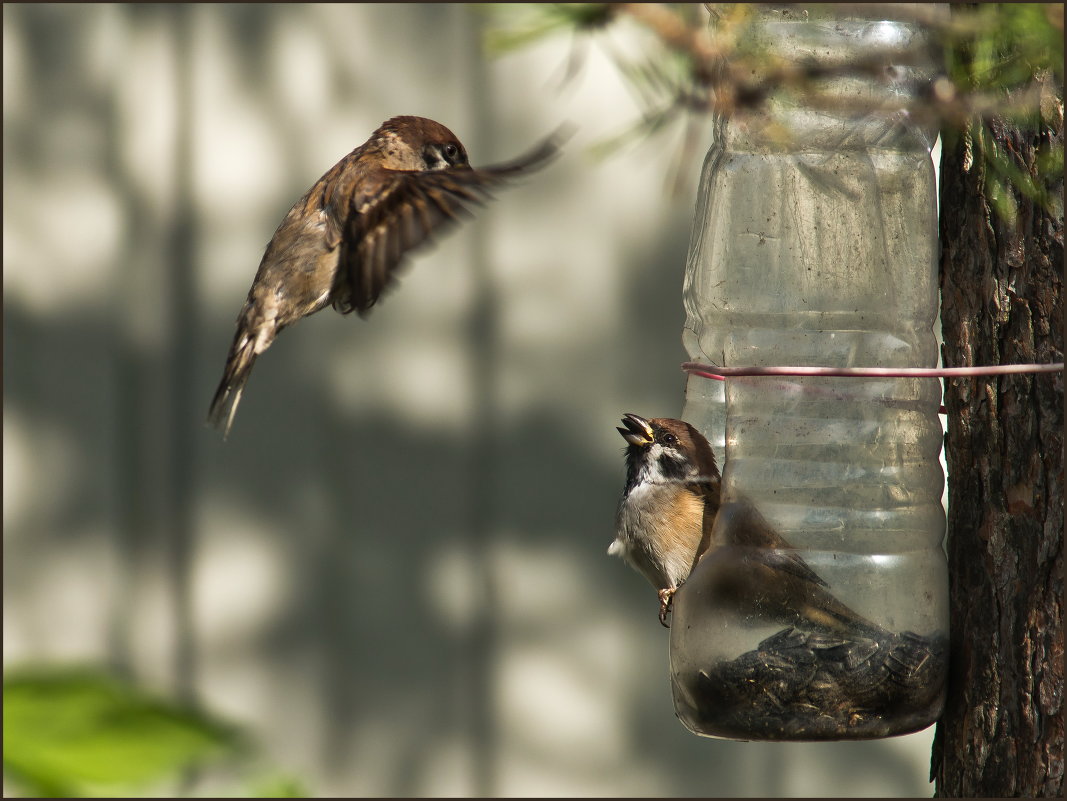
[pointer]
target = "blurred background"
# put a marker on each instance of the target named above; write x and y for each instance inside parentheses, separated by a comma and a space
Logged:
(393, 575)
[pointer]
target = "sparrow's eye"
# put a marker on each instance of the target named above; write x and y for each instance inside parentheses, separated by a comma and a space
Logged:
(440, 156)
(670, 439)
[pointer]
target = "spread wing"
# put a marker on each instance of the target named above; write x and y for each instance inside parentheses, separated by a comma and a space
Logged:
(397, 211)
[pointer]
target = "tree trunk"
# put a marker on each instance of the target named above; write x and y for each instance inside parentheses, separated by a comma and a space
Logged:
(1001, 281)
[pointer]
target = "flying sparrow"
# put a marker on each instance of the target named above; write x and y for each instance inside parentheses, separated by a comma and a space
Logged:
(670, 518)
(343, 241)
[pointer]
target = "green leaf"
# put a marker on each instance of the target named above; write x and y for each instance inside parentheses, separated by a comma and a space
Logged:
(81, 732)
(280, 787)
(523, 24)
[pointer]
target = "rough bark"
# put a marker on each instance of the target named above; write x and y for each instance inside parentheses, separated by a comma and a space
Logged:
(1002, 730)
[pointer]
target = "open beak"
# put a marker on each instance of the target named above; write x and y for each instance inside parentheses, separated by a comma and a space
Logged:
(637, 432)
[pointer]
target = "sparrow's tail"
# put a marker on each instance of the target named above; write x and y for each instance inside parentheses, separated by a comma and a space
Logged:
(238, 368)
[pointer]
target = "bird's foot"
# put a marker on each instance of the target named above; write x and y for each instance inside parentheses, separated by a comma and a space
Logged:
(665, 597)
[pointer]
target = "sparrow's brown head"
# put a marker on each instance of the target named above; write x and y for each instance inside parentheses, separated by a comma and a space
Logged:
(664, 450)
(418, 143)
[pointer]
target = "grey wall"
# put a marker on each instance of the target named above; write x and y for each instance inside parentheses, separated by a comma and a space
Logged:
(394, 571)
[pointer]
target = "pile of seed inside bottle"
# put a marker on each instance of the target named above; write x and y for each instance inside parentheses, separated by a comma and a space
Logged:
(809, 685)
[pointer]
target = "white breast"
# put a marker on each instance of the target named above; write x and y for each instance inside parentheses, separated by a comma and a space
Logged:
(658, 529)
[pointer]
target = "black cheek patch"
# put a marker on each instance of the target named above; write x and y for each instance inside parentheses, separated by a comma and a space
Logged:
(672, 466)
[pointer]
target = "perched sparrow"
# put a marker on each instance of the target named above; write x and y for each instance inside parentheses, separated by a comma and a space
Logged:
(670, 518)
(343, 241)
(750, 569)
(669, 504)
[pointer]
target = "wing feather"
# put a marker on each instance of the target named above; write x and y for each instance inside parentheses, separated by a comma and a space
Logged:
(399, 211)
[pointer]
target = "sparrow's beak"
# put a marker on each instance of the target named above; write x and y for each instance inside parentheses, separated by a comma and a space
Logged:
(637, 431)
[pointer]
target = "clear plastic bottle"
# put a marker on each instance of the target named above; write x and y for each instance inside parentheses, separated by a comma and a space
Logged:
(818, 248)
